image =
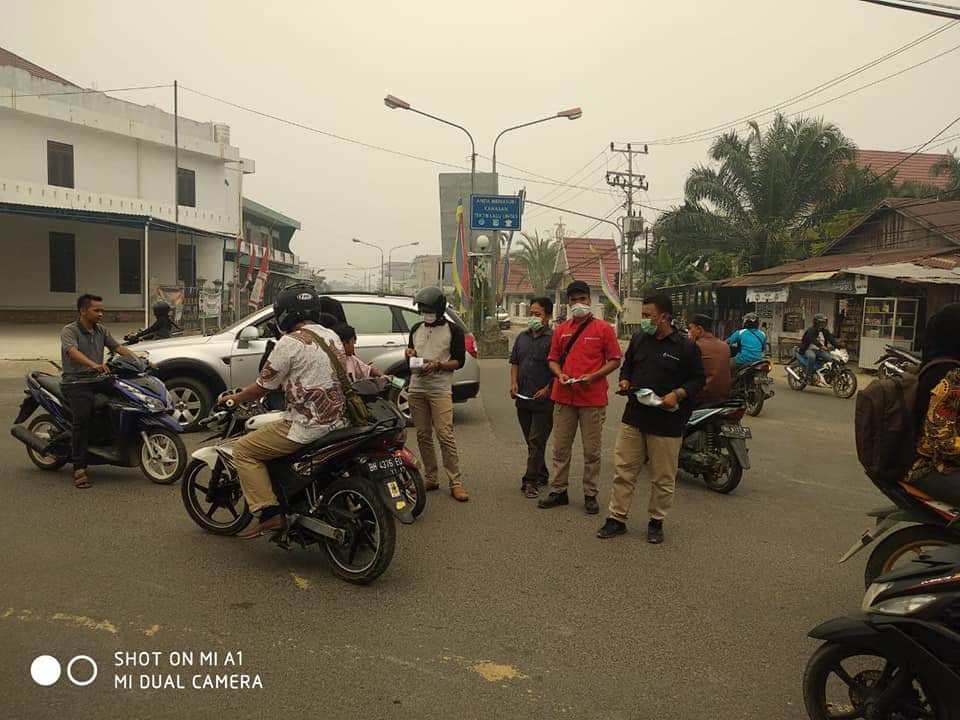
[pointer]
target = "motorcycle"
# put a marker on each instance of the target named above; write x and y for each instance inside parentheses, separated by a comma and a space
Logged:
(753, 385)
(932, 524)
(714, 445)
(132, 423)
(834, 373)
(341, 492)
(134, 338)
(900, 659)
(895, 361)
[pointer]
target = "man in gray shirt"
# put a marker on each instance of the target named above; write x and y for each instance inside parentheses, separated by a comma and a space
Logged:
(81, 353)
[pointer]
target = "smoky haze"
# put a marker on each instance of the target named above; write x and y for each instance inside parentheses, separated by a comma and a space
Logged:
(640, 70)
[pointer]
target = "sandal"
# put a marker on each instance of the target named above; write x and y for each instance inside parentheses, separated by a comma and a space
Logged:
(530, 490)
(80, 479)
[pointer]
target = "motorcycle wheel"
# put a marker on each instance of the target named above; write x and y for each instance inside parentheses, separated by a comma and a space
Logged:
(415, 490)
(167, 468)
(400, 397)
(845, 384)
(755, 399)
(792, 381)
(371, 532)
(906, 543)
(728, 481)
(227, 498)
(832, 691)
(46, 427)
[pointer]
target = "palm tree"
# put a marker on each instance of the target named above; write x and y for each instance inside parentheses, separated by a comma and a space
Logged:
(950, 167)
(666, 269)
(538, 256)
(764, 189)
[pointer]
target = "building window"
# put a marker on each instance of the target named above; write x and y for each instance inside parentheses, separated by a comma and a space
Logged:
(129, 266)
(59, 164)
(186, 187)
(187, 265)
(63, 263)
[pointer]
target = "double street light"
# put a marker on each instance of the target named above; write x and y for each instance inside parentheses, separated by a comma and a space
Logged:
(388, 273)
(390, 262)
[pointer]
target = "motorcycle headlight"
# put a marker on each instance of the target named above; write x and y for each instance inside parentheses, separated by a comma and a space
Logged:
(152, 403)
(903, 605)
(871, 594)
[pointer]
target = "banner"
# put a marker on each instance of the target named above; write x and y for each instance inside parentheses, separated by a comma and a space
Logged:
(461, 260)
(260, 284)
(210, 301)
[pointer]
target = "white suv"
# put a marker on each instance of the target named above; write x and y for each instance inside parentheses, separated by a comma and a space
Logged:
(197, 368)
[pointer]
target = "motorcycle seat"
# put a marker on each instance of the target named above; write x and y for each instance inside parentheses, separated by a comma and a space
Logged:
(54, 385)
(331, 438)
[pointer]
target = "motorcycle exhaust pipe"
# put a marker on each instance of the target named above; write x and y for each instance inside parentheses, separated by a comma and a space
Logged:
(793, 373)
(32, 441)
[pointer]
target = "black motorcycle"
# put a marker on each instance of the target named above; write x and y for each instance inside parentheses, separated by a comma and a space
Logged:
(715, 445)
(900, 658)
(341, 492)
(895, 361)
(753, 385)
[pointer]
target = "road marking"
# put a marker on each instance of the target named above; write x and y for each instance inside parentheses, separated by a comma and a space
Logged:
(85, 622)
(301, 582)
(494, 672)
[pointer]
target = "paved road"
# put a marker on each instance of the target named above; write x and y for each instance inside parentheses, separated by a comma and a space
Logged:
(490, 609)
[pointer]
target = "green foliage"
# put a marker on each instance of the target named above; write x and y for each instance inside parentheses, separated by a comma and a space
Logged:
(538, 256)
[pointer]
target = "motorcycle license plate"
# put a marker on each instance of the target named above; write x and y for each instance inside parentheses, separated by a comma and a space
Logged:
(736, 431)
(763, 380)
(385, 467)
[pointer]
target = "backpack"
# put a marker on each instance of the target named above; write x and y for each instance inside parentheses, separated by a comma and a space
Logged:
(883, 422)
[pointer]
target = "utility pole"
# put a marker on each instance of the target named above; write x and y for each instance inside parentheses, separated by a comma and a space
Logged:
(632, 224)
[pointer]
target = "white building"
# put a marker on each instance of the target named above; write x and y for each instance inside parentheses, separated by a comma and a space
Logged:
(87, 198)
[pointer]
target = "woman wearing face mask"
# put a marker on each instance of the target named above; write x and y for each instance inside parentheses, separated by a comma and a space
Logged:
(530, 384)
(441, 345)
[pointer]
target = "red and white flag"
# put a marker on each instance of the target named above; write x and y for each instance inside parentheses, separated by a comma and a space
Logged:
(260, 284)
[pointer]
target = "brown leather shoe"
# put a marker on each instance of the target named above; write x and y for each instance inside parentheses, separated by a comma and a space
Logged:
(458, 493)
(428, 486)
(277, 522)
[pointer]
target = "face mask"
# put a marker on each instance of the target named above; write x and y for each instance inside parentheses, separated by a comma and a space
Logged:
(535, 324)
(580, 310)
(647, 326)
(429, 318)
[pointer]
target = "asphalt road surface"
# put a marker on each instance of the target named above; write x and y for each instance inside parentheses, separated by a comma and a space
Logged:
(490, 609)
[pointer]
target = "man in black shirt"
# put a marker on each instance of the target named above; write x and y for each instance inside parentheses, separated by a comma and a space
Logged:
(661, 360)
(530, 383)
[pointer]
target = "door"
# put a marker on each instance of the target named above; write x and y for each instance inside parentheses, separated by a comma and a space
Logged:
(245, 355)
(380, 335)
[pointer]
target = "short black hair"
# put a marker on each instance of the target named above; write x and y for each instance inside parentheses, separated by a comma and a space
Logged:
(577, 287)
(345, 332)
(544, 302)
(85, 300)
(661, 301)
(328, 320)
(704, 321)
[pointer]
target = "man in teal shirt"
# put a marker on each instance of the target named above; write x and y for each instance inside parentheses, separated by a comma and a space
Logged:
(747, 343)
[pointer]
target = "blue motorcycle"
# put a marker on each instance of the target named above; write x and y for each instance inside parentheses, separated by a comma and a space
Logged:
(132, 423)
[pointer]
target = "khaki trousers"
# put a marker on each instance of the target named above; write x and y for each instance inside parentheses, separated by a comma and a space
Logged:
(250, 455)
(566, 419)
(633, 448)
(433, 412)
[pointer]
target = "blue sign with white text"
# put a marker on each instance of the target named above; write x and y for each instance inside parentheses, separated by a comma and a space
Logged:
(495, 212)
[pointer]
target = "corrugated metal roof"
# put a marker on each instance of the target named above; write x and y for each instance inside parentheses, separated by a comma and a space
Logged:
(914, 168)
(583, 259)
(9, 58)
(946, 271)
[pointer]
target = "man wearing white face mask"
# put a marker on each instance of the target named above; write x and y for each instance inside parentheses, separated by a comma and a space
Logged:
(441, 346)
(583, 352)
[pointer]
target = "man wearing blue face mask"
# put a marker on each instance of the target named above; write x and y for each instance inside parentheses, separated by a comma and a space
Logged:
(530, 384)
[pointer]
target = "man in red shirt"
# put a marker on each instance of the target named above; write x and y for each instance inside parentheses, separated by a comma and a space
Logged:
(583, 352)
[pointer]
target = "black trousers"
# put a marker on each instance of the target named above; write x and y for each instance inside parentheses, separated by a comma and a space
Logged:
(941, 487)
(536, 426)
(79, 396)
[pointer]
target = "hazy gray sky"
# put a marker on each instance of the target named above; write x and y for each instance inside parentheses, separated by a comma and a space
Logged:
(640, 69)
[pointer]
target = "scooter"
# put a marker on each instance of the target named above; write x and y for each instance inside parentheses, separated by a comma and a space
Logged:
(132, 422)
(900, 658)
(752, 384)
(715, 445)
(895, 361)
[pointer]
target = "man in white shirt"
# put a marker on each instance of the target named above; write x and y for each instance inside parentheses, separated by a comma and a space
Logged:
(315, 402)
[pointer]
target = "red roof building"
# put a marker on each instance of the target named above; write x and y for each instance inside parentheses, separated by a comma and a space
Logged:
(581, 259)
(911, 168)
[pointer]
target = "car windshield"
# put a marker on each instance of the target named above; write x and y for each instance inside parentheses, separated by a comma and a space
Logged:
(245, 320)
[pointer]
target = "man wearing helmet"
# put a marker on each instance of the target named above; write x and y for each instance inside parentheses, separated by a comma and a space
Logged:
(163, 325)
(315, 402)
(440, 348)
(748, 343)
(816, 341)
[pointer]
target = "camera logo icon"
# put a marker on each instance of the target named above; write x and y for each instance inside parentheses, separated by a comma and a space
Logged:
(46, 670)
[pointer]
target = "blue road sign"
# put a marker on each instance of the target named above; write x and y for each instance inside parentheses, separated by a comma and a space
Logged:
(495, 212)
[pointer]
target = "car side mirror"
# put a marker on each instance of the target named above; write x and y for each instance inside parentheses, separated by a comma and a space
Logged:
(250, 332)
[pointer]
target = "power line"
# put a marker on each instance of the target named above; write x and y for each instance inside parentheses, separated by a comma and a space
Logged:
(676, 139)
(924, 10)
(82, 91)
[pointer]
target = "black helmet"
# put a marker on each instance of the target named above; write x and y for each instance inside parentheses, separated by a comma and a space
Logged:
(820, 319)
(294, 305)
(161, 309)
(751, 320)
(431, 299)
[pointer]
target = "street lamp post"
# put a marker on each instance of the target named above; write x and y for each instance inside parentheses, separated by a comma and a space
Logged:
(570, 114)
(390, 262)
(375, 247)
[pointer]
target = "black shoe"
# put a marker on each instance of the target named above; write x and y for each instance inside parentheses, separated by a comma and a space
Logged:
(542, 482)
(611, 528)
(591, 505)
(655, 532)
(554, 499)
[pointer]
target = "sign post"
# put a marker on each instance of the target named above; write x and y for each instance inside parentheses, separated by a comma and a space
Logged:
(495, 212)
